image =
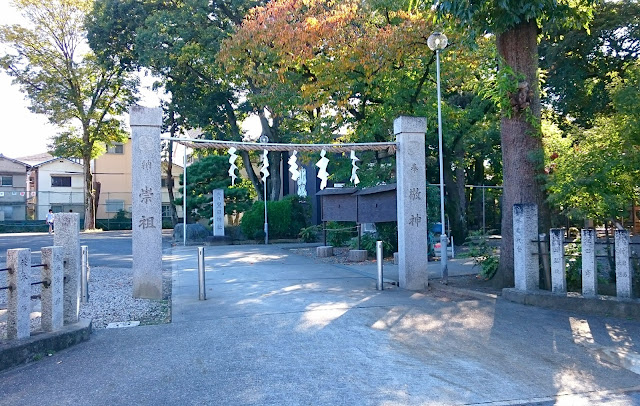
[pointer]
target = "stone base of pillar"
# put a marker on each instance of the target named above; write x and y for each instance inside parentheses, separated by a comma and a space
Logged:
(357, 255)
(324, 251)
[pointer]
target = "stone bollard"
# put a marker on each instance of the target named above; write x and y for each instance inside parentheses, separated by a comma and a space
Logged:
(558, 273)
(589, 273)
(525, 237)
(357, 255)
(324, 251)
(623, 271)
(395, 258)
(67, 236)
(52, 291)
(19, 301)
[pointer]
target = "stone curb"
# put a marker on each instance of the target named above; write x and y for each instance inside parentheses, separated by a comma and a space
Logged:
(18, 352)
(601, 305)
(436, 285)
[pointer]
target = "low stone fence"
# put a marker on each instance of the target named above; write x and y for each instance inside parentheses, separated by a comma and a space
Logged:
(527, 271)
(60, 278)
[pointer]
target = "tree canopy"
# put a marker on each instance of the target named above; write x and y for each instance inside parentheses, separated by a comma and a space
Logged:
(62, 79)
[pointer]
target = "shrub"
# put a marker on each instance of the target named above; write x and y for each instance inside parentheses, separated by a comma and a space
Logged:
(309, 234)
(368, 242)
(339, 233)
(483, 254)
(286, 218)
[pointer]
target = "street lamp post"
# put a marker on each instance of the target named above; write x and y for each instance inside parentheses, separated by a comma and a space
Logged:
(437, 42)
(263, 140)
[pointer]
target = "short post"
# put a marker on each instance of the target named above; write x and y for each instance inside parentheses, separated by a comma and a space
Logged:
(453, 249)
(623, 271)
(201, 280)
(525, 237)
(51, 294)
(67, 236)
(589, 274)
(379, 282)
(84, 274)
(359, 230)
(19, 300)
(558, 274)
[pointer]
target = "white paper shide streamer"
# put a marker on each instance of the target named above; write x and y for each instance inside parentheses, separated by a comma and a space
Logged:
(265, 164)
(232, 165)
(293, 166)
(354, 169)
(323, 175)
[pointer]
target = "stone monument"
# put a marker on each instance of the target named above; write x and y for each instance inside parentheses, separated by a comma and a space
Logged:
(218, 213)
(67, 236)
(146, 202)
(411, 201)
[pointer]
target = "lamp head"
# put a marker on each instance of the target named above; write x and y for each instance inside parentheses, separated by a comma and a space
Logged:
(437, 41)
(263, 139)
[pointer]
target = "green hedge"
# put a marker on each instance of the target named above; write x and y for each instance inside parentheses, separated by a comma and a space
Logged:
(286, 218)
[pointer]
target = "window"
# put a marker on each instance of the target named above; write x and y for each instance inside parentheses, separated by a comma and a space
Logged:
(61, 181)
(114, 206)
(166, 211)
(163, 182)
(6, 180)
(8, 212)
(116, 148)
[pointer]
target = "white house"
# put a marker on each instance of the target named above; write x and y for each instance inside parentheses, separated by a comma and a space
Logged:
(60, 186)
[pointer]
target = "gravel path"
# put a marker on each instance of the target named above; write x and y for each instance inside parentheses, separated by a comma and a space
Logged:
(110, 300)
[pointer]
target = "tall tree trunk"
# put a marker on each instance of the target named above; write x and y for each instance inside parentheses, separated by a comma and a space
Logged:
(521, 142)
(169, 172)
(477, 193)
(169, 175)
(89, 199)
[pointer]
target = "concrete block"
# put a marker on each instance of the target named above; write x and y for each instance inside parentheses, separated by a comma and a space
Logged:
(52, 293)
(357, 255)
(324, 251)
(411, 202)
(525, 247)
(589, 273)
(146, 197)
(623, 269)
(19, 301)
(67, 236)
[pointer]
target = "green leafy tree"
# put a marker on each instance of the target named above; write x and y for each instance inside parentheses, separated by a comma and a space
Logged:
(594, 172)
(515, 24)
(582, 63)
(178, 41)
(205, 175)
(66, 83)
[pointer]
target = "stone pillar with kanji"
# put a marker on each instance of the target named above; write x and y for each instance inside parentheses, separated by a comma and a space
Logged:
(412, 204)
(146, 198)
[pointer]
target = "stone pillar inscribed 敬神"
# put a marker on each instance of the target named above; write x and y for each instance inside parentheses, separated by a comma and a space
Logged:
(411, 200)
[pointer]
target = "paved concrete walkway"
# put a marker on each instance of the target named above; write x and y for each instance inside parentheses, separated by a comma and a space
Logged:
(281, 329)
